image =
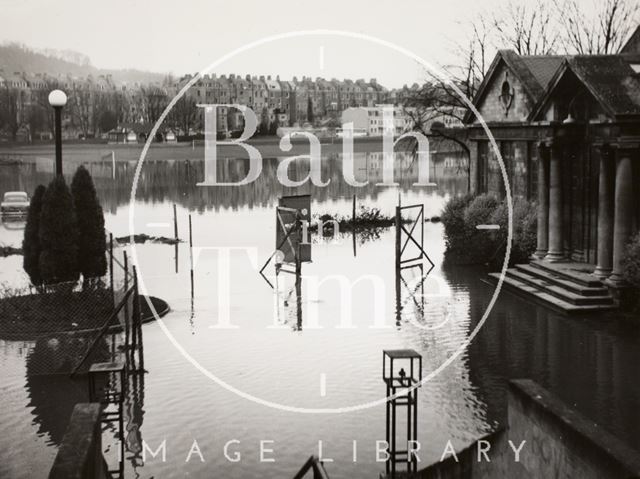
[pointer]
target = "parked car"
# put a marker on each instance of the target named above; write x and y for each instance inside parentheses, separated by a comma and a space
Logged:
(15, 203)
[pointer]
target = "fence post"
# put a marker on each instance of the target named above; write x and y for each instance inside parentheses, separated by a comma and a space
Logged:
(398, 219)
(137, 320)
(298, 286)
(134, 325)
(191, 256)
(126, 306)
(175, 222)
(353, 210)
(113, 293)
(398, 262)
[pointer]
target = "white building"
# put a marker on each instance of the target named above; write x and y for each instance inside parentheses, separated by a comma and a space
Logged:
(371, 119)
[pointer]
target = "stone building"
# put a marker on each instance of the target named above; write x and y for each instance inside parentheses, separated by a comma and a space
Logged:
(568, 130)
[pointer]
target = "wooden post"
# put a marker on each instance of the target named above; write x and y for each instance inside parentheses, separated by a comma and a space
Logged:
(138, 320)
(126, 306)
(353, 226)
(398, 220)
(134, 324)
(175, 223)
(353, 210)
(113, 294)
(191, 255)
(299, 287)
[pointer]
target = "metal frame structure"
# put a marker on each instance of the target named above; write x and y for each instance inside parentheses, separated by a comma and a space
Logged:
(404, 384)
(297, 227)
(401, 247)
(315, 465)
(409, 263)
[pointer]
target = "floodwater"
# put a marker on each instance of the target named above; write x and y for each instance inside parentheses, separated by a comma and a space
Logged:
(236, 362)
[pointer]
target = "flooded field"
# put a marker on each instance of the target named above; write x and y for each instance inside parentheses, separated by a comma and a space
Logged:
(258, 380)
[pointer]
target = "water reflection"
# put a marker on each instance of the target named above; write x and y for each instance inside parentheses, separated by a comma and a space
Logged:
(433, 315)
(587, 363)
(175, 180)
(52, 392)
(52, 399)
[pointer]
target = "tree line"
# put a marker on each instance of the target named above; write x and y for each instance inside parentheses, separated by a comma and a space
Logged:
(91, 110)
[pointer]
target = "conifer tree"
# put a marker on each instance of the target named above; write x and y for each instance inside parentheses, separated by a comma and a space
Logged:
(58, 235)
(92, 261)
(31, 240)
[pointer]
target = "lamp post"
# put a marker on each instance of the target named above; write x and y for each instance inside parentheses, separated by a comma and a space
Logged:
(58, 99)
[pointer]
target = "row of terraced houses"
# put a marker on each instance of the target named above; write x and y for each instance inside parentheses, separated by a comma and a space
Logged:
(101, 107)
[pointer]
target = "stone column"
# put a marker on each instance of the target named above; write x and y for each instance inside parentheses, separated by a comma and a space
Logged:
(606, 183)
(623, 212)
(556, 243)
(543, 202)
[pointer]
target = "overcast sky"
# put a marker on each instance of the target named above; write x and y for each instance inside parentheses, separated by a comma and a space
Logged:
(188, 35)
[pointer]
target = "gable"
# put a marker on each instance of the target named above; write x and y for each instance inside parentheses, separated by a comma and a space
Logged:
(504, 98)
(608, 81)
(569, 95)
(632, 47)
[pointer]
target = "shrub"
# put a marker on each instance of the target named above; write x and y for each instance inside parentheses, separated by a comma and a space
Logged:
(631, 269)
(31, 240)
(92, 245)
(525, 221)
(453, 219)
(465, 244)
(481, 244)
(58, 235)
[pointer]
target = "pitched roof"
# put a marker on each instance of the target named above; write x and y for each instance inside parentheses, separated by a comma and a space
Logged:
(609, 78)
(633, 43)
(542, 67)
(533, 71)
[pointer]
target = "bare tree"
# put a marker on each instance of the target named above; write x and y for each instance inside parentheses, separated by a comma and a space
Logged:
(12, 109)
(155, 101)
(445, 97)
(527, 29)
(183, 115)
(602, 31)
(81, 107)
(41, 109)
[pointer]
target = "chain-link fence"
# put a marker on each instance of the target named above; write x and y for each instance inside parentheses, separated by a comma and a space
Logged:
(69, 326)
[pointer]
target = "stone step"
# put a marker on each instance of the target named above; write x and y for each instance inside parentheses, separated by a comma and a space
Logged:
(558, 280)
(559, 291)
(583, 278)
(532, 292)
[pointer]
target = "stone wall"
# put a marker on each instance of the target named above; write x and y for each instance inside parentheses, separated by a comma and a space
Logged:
(491, 107)
(560, 443)
(80, 454)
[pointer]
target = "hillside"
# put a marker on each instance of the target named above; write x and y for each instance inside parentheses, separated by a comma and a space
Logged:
(20, 58)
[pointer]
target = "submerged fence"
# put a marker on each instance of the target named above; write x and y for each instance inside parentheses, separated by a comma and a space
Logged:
(69, 326)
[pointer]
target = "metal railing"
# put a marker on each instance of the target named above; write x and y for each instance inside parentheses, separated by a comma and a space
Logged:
(313, 464)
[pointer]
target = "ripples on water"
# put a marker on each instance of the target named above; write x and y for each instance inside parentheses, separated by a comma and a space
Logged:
(179, 405)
